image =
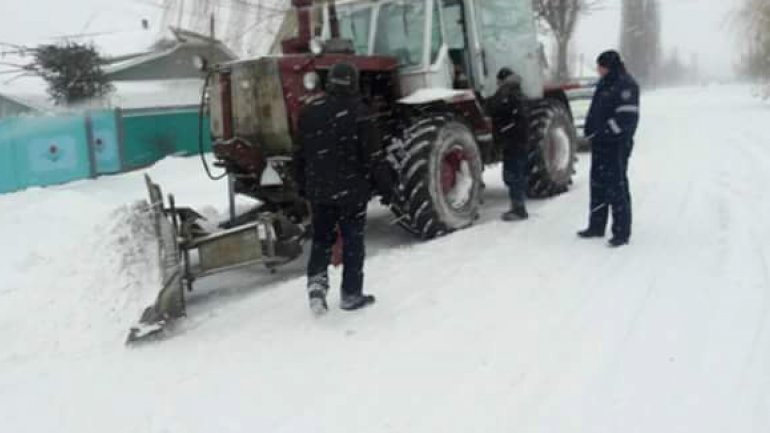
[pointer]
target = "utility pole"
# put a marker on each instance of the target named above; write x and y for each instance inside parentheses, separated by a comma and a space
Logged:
(181, 14)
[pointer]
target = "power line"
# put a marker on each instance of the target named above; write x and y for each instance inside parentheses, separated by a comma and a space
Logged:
(93, 34)
(226, 4)
(256, 23)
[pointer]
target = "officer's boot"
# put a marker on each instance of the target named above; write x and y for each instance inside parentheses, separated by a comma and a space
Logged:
(518, 212)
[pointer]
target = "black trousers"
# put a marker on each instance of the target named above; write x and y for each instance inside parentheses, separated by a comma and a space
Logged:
(351, 220)
(515, 173)
(610, 188)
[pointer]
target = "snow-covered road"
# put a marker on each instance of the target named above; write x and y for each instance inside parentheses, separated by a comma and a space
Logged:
(504, 327)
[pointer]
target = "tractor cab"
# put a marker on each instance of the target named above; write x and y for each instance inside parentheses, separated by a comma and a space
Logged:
(451, 44)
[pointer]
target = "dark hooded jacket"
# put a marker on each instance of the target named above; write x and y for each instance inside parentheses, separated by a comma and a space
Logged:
(510, 116)
(337, 144)
(614, 113)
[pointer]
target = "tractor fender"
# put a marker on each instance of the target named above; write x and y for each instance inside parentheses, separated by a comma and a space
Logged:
(559, 93)
(462, 103)
(432, 95)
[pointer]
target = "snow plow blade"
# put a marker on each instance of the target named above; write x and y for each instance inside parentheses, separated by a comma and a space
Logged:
(259, 237)
(170, 303)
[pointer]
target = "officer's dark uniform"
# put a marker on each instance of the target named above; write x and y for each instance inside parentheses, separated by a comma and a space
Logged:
(337, 144)
(510, 116)
(611, 124)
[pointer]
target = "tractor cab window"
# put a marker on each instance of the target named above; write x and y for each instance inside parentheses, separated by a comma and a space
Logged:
(454, 20)
(401, 32)
(502, 19)
(355, 24)
(457, 41)
(437, 36)
(507, 36)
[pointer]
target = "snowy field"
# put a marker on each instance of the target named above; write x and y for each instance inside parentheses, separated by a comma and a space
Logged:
(505, 327)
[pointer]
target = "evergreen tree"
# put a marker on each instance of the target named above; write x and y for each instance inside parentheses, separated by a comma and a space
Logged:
(73, 72)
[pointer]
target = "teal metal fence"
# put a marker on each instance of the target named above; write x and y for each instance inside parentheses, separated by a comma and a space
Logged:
(45, 151)
(42, 151)
(149, 135)
(8, 178)
(104, 138)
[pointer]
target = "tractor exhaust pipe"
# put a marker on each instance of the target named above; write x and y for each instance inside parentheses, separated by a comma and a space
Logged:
(333, 21)
(303, 19)
(301, 43)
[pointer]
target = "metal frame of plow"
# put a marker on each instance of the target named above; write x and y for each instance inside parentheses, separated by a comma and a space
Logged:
(271, 239)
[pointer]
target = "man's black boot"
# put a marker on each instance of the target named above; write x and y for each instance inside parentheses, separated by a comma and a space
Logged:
(517, 213)
(590, 233)
(617, 242)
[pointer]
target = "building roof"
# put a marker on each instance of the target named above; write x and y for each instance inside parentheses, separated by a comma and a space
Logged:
(34, 102)
(162, 78)
(131, 95)
(175, 61)
(127, 95)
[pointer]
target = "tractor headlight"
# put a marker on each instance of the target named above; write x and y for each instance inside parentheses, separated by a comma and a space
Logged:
(316, 46)
(311, 80)
(200, 63)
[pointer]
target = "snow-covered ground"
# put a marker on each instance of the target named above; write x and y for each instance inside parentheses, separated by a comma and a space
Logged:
(504, 327)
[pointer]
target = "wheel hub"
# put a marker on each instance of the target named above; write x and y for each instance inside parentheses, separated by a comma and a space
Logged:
(557, 150)
(450, 166)
(456, 178)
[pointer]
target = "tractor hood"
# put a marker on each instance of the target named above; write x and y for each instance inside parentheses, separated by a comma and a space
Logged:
(247, 101)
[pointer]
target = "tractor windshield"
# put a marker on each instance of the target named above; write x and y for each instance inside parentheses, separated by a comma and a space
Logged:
(355, 24)
(503, 19)
(401, 32)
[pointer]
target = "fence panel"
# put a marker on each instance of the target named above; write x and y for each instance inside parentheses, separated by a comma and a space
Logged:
(51, 150)
(8, 178)
(105, 141)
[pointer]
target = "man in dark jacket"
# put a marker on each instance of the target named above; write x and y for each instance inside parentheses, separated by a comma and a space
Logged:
(510, 120)
(337, 144)
(610, 125)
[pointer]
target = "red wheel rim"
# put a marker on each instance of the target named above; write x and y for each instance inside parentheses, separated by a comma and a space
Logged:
(550, 151)
(556, 150)
(450, 167)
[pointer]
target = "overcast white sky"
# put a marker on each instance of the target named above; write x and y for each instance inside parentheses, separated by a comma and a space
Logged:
(39, 21)
(700, 27)
(692, 26)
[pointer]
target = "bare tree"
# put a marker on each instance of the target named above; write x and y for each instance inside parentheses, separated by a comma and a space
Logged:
(561, 17)
(755, 20)
(640, 38)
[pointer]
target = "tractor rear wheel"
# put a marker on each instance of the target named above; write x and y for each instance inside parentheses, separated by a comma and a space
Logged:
(441, 177)
(553, 146)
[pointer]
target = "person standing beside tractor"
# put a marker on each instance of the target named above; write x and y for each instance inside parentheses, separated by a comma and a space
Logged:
(333, 159)
(510, 117)
(610, 126)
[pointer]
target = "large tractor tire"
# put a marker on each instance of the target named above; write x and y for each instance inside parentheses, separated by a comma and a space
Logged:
(440, 177)
(553, 147)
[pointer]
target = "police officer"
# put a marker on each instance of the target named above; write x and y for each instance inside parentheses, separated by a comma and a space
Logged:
(337, 144)
(510, 120)
(610, 125)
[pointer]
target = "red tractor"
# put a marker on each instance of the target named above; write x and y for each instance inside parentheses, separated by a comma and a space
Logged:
(427, 68)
